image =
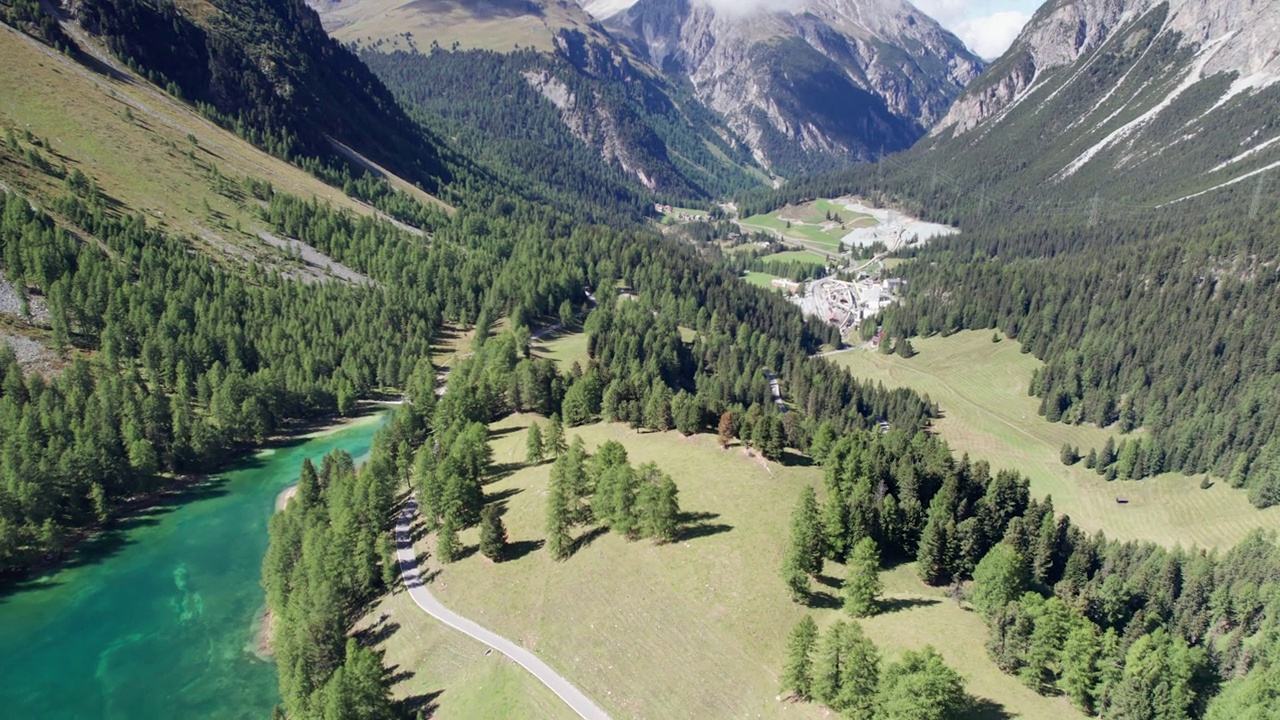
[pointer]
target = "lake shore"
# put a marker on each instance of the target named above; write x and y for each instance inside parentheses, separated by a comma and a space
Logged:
(176, 489)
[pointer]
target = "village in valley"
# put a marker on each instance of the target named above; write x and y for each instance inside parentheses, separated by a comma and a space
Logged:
(833, 258)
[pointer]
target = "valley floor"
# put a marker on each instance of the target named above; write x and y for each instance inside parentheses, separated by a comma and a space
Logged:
(981, 388)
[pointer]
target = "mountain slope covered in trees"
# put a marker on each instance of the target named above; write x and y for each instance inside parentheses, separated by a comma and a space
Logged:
(1133, 250)
(619, 128)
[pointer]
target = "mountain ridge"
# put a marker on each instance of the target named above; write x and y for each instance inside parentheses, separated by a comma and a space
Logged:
(775, 73)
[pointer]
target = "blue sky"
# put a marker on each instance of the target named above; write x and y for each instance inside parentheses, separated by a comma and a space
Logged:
(986, 26)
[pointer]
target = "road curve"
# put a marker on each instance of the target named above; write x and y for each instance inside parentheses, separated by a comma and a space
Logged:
(411, 573)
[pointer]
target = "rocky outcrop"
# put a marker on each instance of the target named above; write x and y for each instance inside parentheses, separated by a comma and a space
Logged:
(1061, 33)
(836, 78)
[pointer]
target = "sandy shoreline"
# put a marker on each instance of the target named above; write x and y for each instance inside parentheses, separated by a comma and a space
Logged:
(285, 496)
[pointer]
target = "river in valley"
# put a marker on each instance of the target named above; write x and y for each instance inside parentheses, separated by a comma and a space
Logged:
(159, 617)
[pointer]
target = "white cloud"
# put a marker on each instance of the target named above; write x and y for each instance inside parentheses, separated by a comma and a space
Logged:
(985, 29)
(990, 36)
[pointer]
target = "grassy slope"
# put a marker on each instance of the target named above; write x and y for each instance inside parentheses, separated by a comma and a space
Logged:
(441, 666)
(697, 628)
(141, 163)
(982, 389)
(564, 348)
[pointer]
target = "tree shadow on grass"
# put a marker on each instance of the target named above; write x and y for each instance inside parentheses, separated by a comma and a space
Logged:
(503, 432)
(425, 704)
(377, 634)
(589, 537)
(693, 525)
(984, 709)
(828, 581)
(501, 471)
(795, 459)
(893, 605)
(823, 601)
(501, 497)
(521, 548)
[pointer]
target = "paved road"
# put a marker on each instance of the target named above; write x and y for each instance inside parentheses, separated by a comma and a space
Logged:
(411, 573)
(776, 390)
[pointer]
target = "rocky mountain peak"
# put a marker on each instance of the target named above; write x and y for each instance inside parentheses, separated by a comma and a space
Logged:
(1228, 36)
(799, 79)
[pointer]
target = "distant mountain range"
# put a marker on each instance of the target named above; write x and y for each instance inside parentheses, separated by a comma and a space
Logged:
(817, 84)
(714, 100)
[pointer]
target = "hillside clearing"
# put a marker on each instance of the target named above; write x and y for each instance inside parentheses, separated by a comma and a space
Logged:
(693, 629)
(981, 388)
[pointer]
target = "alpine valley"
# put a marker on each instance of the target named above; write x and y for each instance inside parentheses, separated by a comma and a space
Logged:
(390, 359)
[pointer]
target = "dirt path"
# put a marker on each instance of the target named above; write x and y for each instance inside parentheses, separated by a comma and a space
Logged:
(411, 574)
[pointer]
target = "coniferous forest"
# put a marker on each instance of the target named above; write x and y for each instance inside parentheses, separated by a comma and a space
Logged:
(172, 361)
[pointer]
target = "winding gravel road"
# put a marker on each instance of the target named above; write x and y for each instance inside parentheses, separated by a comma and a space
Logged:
(413, 582)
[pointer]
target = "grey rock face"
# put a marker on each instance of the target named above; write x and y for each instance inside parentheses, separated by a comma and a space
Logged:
(850, 79)
(1232, 35)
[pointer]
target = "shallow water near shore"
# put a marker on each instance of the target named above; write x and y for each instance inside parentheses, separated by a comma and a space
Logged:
(157, 617)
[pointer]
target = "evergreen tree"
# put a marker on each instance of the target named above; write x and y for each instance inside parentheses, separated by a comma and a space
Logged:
(447, 545)
(806, 534)
(847, 671)
(1069, 455)
(534, 453)
(797, 674)
(835, 525)
(658, 505)
(559, 541)
(555, 440)
(933, 557)
(862, 587)
(493, 534)
(1080, 658)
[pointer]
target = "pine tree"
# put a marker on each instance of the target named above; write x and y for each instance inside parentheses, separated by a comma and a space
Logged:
(1080, 658)
(862, 587)
(493, 534)
(847, 671)
(835, 526)
(933, 556)
(1069, 455)
(555, 440)
(535, 452)
(447, 545)
(308, 493)
(797, 674)
(559, 520)
(806, 534)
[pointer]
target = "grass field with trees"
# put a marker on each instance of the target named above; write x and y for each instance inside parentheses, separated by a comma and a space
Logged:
(981, 388)
(694, 628)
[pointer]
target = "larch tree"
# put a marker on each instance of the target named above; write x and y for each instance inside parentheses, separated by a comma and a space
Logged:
(920, 686)
(534, 452)
(555, 441)
(725, 430)
(797, 674)
(862, 587)
(493, 534)
(447, 545)
(1001, 577)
